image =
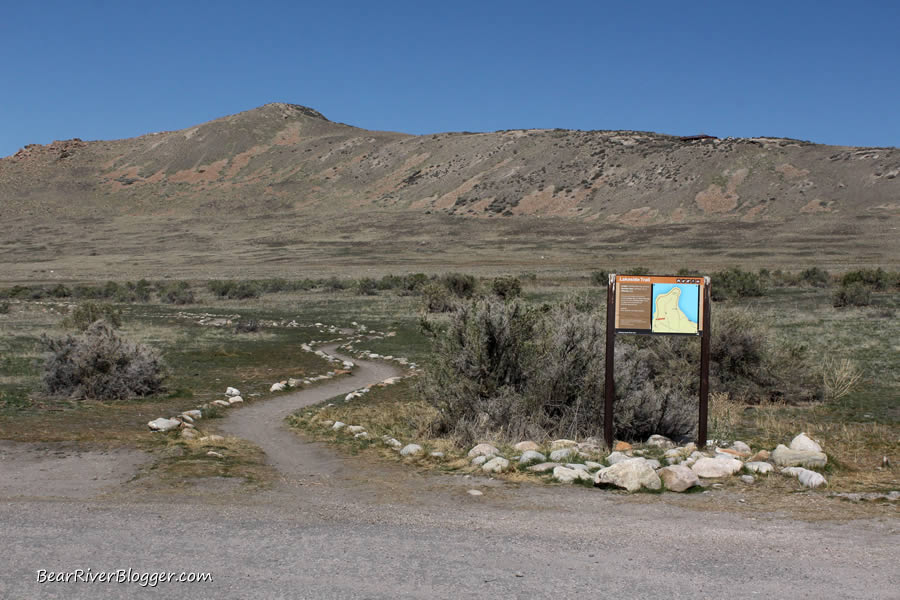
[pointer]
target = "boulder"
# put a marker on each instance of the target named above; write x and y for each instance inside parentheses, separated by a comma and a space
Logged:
(759, 467)
(807, 478)
(593, 466)
(803, 442)
(527, 445)
(563, 453)
(230, 391)
(741, 447)
(577, 466)
(194, 414)
(393, 443)
(660, 441)
(189, 434)
(716, 467)
(785, 457)
(617, 457)
(531, 456)
(631, 475)
(481, 459)
(222, 403)
(338, 425)
(678, 478)
(411, 450)
(355, 428)
(543, 467)
(483, 450)
(163, 424)
(567, 475)
(235, 400)
(187, 419)
(277, 387)
(498, 464)
(748, 478)
(730, 452)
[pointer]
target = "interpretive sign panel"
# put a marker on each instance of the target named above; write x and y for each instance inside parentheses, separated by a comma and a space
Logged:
(655, 305)
(659, 305)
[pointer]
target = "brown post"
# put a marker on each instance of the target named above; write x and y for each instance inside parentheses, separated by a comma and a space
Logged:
(609, 393)
(704, 368)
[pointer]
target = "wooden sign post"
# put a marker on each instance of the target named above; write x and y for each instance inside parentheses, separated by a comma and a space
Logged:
(657, 305)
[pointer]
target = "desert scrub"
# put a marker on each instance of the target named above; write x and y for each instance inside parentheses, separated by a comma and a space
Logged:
(506, 287)
(736, 283)
(86, 314)
(509, 370)
(100, 364)
(852, 294)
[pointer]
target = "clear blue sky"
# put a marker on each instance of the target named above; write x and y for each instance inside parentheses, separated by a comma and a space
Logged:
(102, 69)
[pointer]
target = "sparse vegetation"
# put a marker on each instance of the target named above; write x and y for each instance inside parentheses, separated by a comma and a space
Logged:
(736, 283)
(852, 294)
(506, 288)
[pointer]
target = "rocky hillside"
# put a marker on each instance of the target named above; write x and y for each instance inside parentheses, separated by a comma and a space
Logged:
(290, 163)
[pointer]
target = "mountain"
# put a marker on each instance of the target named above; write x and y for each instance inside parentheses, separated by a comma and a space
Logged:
(281, 183)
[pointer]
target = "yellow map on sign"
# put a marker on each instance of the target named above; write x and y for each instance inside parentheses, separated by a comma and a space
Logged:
(668, 317)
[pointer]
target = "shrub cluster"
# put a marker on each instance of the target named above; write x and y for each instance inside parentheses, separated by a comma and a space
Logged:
(99, 364)
(853, 294)
(736, 283)
(507, 370)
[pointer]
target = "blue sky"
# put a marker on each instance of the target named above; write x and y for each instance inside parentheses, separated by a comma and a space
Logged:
(102, 69)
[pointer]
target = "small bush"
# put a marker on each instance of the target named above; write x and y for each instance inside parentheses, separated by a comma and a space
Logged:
(88, 313)
(735, 283)
(4, 307)
(460, 285)
(248, 326)
(367, 287)
(178, 292)
(436, 298)
(60, 291)
(854, 294)
(101, 365)
(506, 288)
(234, 290)
(876, 279)
(134, 292)
(815, 277)
(334, 284)
(600, 278)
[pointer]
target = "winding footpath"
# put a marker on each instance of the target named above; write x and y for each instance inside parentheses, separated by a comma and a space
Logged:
(347, 527)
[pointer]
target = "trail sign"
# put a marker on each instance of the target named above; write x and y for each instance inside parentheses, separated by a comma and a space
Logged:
(657, 305)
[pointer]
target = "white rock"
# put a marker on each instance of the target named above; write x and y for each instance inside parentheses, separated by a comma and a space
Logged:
(748, 478)
(235, 400)
(527, 445)
(163, 424)
(187, 418)
(562, 443)
(215, 454)
(617, 457)
(716, 467)
(355, 428)
(232, 392)
(759, 467)
(277, 387)
(338, 425)
(497, 464)
(483, 450)
(411, 450)
(364, 435)
(481, 459)
(189, 433)
(786, 457)
(660, 441)
(211, 439)
(630, 474)
(223, 403)
(474, 492)
(194, 414)
(803, 442)
(563, 453)
(577, 466)
(741, 447)
(807, 478)
(531, 456)
(593, 466)
(543, 467)
(567, 475)
(436, 455)
(678, 478)
(393, 443)
(654, 464)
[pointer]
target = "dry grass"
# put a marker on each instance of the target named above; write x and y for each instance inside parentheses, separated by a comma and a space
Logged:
(840, 377)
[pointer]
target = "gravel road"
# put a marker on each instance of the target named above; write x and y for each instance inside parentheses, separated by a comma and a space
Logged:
(346, 527)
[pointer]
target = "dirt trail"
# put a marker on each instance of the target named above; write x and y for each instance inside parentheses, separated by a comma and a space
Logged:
(297, 461)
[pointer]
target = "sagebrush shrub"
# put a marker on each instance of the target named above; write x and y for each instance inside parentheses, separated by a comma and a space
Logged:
(506, 287)
(736, 283)
(100, 364)
(853, 294)
(177, 292)
(87, 313)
